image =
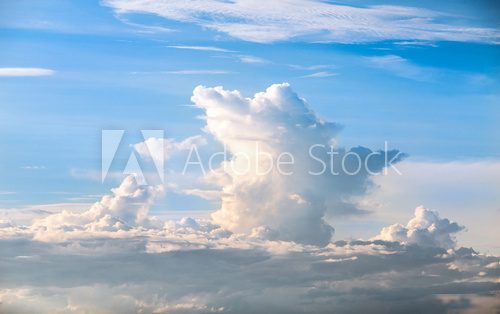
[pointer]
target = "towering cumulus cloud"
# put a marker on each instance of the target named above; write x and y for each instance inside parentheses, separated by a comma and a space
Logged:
(285, 172)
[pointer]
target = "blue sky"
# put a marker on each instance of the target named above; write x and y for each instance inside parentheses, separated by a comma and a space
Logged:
(421, 76)
(433, 100)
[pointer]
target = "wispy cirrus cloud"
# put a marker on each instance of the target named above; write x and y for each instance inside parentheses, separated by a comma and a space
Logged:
(34, 167)
(252, 59)
(283, 20)
(415, 43)
(19, 72)
(402, 67)
(144, 28)
(183, 72)
(198, 72)
(314, 67)
(242, 58)
(320, 74)
(201, 48)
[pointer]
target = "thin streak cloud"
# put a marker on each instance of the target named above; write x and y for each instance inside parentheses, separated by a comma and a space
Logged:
(201, 48)
(199, 72)
(320, 74)
(19, 72)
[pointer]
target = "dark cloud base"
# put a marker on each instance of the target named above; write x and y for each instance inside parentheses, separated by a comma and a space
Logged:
(361, 276)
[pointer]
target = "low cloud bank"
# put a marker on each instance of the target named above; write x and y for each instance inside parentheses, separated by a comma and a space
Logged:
(196, 266)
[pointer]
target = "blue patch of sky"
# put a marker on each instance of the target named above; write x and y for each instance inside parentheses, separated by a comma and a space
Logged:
(436, 102)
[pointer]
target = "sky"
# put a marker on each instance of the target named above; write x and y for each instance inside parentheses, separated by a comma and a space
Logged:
(417, 81)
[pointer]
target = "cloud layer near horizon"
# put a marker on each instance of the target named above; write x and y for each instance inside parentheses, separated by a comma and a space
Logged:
(194, 266)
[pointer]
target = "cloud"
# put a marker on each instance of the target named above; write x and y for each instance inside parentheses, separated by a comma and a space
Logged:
(161, 149)
(198, 72)
(415, 43)
(143, 28)
(315, 67)
(201, 48)
(291, 206)
(472, 183)
(13, 72)
(242, 58)
(127, 207)
(277, 21)
(320, 74)
(425, 229)
(192, 266)
(205, 194)
(115, 256)
(266, 249)
(33, 167)
(402, 67)
(252, 59)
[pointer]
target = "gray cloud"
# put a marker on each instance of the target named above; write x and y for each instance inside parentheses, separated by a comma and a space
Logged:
(104, 274)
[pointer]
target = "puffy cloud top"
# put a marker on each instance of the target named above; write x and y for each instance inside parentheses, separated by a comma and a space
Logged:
(289, 202)
(125, 208)
(425, 229)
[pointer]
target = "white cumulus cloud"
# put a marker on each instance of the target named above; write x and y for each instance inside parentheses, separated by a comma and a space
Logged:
(426, 229)
(126, 208)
